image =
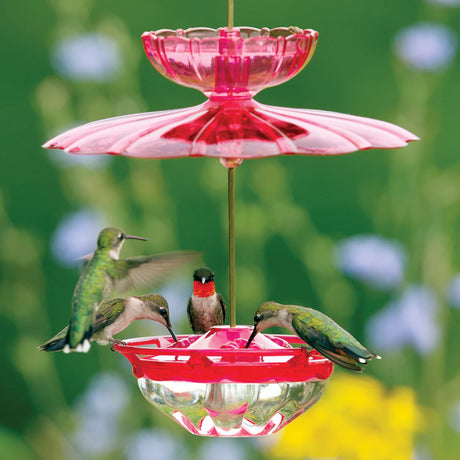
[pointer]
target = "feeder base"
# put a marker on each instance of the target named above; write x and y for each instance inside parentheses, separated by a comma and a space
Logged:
(232, 409)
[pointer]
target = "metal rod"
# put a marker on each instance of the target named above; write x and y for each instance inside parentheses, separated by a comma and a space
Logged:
(231, 245)
(230, 15)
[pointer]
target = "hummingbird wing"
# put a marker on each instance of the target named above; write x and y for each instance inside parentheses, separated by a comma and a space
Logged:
(108, 312)
(143, 271)
(332, 341)
(223, 306)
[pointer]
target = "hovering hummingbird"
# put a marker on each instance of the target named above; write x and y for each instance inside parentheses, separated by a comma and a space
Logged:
(115, 315)
(205, 308)
(105, 272)
(317, 330)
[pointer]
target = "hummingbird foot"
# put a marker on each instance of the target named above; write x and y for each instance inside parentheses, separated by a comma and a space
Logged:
(66, 349)
(116, 341)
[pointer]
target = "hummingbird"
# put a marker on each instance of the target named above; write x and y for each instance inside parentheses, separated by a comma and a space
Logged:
(317, 330)
(205, 307)
(105, 272)
(115, 315)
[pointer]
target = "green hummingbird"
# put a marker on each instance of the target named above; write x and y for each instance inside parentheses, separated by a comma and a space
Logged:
(317, 330)
(115, 315)
(205, 307)
(105, 272)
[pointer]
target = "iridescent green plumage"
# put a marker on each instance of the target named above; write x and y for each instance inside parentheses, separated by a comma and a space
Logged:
(115, 315)
(317, 330)
(105, 272)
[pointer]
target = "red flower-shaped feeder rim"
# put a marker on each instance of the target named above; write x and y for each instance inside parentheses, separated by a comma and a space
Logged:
(219, 356)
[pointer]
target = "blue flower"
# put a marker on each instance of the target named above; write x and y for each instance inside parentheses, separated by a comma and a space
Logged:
(454, 417)
(444, 2)
(154, 444)
(222, 449)
(76, 236)
(408, 320)
(107, 395)
(453, 291)
(177, 293)
(92, 57)
(372, 259)
(97, 412)
(426, 46)
(67, 160)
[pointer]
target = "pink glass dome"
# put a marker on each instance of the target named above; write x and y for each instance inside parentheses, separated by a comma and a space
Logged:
(230, 66)
(212, 386)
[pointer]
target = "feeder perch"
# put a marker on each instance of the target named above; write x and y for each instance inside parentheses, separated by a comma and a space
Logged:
(212, 386)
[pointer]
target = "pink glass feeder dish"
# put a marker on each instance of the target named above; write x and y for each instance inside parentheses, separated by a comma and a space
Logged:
(230, 66)
(212, 386)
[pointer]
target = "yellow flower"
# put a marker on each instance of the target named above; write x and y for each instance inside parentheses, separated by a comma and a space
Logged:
(357, 419)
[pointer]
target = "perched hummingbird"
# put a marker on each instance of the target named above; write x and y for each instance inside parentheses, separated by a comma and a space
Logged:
(205, 308)
(115, 315)
(105, 272)
(317, 330)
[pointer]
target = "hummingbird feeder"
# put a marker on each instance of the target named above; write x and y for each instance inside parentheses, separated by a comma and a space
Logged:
(211, 384)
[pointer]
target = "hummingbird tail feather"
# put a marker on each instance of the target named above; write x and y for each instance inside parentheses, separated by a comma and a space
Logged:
(53, 345)
(343, 358)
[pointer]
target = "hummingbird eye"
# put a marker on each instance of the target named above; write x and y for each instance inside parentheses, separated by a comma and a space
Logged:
(257, 319)
(163, 312)
(121, 236)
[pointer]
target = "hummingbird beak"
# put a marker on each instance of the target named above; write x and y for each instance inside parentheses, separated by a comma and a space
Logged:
(168, 326)
(203, 280)
(172, 333)
(251, 337)
(132, 237)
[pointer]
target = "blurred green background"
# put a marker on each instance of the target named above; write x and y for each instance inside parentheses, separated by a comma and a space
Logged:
(370, 239)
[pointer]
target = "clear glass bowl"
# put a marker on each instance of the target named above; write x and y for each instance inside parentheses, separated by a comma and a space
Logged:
(213, 386)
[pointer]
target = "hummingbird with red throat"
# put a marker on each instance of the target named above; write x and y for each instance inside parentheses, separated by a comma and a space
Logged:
(205, 308)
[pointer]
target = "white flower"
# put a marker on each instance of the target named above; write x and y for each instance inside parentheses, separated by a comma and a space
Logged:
(158, 445)
(372, 259)
(409, 320)
(426, 46)
(76, 236)
(89, 56)
(222, 449)
(453, 291)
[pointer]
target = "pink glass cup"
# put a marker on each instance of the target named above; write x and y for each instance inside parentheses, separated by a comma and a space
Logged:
(230, 63)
